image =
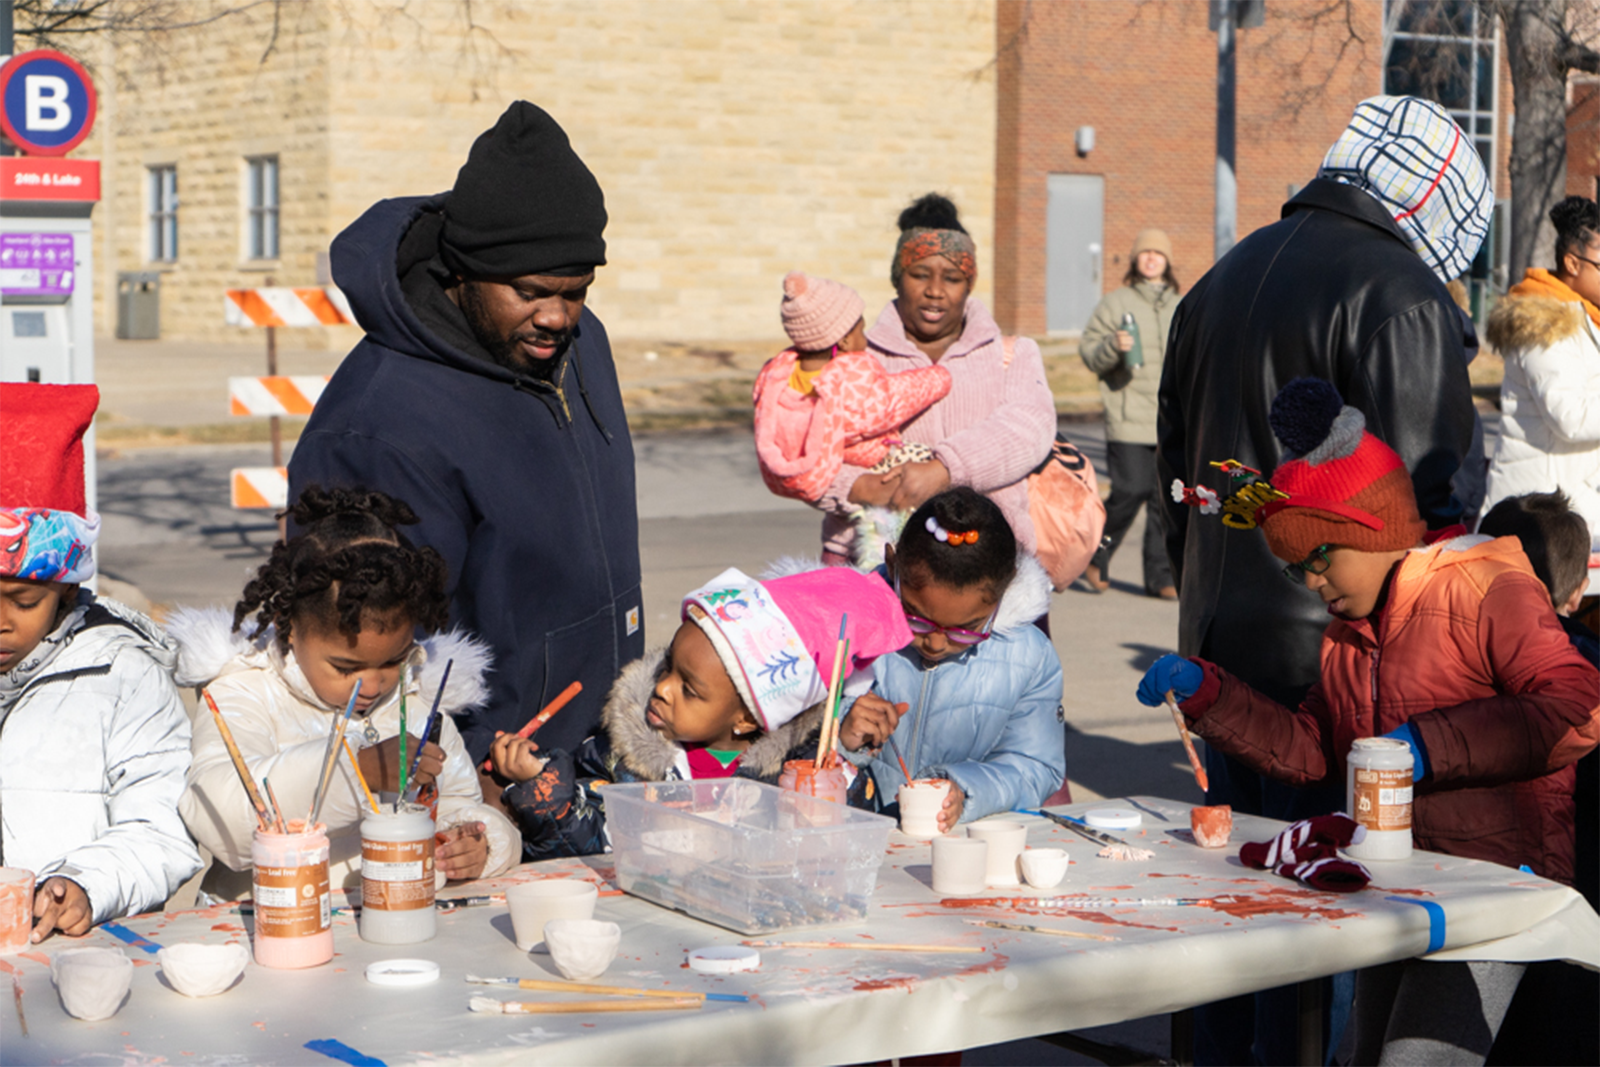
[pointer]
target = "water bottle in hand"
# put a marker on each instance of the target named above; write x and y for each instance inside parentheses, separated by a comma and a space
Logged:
(1134, 357)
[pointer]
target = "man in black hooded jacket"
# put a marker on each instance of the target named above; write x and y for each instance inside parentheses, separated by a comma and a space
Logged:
(484, 396)
(1349, 286)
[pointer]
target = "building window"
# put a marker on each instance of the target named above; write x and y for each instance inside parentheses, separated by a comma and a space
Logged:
(163, 200)
(261, 198)
(1446, 51)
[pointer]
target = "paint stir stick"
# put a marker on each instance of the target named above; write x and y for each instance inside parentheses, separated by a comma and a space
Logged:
(238, 763)
(1188, 744)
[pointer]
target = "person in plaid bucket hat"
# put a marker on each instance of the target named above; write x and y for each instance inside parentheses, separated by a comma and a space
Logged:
(1452, 647)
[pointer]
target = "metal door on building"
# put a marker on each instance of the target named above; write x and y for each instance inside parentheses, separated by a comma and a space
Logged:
(1074, 250)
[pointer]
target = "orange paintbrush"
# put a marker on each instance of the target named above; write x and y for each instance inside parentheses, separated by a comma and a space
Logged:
(1188, 744)
(238, 763)
(544, 715)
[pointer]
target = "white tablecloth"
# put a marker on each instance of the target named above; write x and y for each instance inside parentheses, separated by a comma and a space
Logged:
(828, 1006)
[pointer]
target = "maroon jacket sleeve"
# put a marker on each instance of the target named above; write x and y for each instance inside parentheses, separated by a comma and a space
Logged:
(1293, 746)
(1548, 712)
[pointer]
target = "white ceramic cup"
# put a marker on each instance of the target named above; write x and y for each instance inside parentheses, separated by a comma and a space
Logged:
(16, 909)
(93, 982)
(582, 948)
(533, 904)
(1006, 840)
(920, 804)
(960, 865)
(1044, 867)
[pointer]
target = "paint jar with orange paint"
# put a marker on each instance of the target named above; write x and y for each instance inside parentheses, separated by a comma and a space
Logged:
(16, 909)
(293, 909)
(397, 876)
(802, 776)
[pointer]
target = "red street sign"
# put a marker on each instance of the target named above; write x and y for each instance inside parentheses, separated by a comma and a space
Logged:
(47, 178)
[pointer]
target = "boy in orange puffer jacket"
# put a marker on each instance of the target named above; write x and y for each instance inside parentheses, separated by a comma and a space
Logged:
(1453, 648)
(827, 401)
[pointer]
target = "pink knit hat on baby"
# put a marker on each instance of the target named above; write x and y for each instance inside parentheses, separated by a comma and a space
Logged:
(817, 313)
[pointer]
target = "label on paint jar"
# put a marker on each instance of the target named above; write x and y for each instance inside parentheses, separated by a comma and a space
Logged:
(1382, 798)
(292, 901)
(397, 875)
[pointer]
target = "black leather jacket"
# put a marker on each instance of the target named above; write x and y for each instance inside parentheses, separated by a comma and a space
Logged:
(1332, 290)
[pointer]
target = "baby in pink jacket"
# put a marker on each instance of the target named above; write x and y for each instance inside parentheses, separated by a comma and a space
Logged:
(827, 401)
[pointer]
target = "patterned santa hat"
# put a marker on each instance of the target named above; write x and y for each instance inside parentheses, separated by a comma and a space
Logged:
(777, 639)
(1341, 485)
(47, 531)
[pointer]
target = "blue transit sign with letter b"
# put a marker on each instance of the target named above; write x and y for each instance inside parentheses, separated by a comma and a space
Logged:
(48, 100)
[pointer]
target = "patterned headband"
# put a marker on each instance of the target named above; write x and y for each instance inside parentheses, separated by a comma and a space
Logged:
(918, 243)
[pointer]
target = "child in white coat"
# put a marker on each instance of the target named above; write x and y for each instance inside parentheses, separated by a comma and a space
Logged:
(94, 741)
(340, 602)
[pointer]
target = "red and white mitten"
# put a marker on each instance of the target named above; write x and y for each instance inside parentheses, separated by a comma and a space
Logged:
(1308, 851)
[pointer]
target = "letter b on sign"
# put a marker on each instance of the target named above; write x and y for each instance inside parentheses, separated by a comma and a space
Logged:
(48, 102)
(45, 103)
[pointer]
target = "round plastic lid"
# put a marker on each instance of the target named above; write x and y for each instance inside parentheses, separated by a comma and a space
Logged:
(402, 972)
(724, 959)
(1113, 819)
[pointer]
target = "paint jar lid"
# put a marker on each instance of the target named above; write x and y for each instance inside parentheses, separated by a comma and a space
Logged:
(1113, 819)
(724, 959)
(402, 972)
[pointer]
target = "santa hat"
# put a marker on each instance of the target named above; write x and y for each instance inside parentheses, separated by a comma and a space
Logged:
(46, 528)
(1341, 485)
(777, 639)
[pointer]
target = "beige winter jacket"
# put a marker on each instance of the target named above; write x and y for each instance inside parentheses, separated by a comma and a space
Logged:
(281, 728)
(1129, 393)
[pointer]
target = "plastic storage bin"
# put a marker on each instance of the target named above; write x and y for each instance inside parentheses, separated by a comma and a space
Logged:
(743, 854)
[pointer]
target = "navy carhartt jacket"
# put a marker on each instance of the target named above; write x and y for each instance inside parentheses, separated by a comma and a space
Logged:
(526, 487)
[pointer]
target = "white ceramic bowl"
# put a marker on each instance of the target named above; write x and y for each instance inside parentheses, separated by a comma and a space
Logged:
(202, 970)
(582, 948)
(92, 982)
(1044, 868)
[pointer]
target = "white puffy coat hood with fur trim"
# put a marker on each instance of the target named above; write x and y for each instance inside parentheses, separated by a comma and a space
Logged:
(281, 728)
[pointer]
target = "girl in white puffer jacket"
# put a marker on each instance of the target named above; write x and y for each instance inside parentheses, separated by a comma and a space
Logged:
(338, 603)
(94, 741)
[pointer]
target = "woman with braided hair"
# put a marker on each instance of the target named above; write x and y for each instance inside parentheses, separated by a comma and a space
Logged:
(343, 601)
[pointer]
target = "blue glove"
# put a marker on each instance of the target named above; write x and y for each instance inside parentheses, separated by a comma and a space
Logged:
(1172, 672)
(1419, 754)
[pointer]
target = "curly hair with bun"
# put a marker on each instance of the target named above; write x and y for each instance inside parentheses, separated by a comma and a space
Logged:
(931, 211)
(1577, 223)
(349, 564)
(991, 560)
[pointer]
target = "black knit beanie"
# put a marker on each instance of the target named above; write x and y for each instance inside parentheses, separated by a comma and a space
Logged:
(524, 203)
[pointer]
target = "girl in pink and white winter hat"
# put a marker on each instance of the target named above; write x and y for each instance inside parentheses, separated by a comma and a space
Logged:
(738, 692)
(826, 401)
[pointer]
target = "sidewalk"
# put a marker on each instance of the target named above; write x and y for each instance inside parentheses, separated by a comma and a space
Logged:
(167, 393)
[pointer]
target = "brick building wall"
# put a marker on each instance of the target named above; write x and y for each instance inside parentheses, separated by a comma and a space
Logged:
(735, 141)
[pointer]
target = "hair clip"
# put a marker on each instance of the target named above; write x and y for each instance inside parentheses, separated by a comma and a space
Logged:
(959, 537)
(1200, 497)
(1234, 469)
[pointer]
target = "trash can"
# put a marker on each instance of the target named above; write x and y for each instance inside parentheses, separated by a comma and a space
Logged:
(139, 306)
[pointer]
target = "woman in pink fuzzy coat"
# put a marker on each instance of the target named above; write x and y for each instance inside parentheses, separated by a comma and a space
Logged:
(827, 402)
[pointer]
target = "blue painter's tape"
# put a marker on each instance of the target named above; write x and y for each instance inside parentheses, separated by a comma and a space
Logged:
(1435, 920)
(338, 1050)
(124, 934)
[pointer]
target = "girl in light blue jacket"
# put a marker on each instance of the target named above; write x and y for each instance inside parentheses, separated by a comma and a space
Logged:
(976, 697)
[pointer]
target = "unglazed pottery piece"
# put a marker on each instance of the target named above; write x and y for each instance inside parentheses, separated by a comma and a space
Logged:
(960, 865)
(920, 803)
(1006, 840)
(1044, 867)
(582, 948)
(1211, 826)
(202, 970)
(93, 982)
(533, 904)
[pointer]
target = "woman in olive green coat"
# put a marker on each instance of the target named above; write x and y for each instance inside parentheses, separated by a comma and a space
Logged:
(1129, 366)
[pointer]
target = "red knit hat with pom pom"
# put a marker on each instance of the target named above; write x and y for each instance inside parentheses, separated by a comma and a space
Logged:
(1345, 487)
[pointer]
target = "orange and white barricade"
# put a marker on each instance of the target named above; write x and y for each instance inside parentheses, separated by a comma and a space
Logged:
(283, 306)
(278, 394)
(259, 487)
